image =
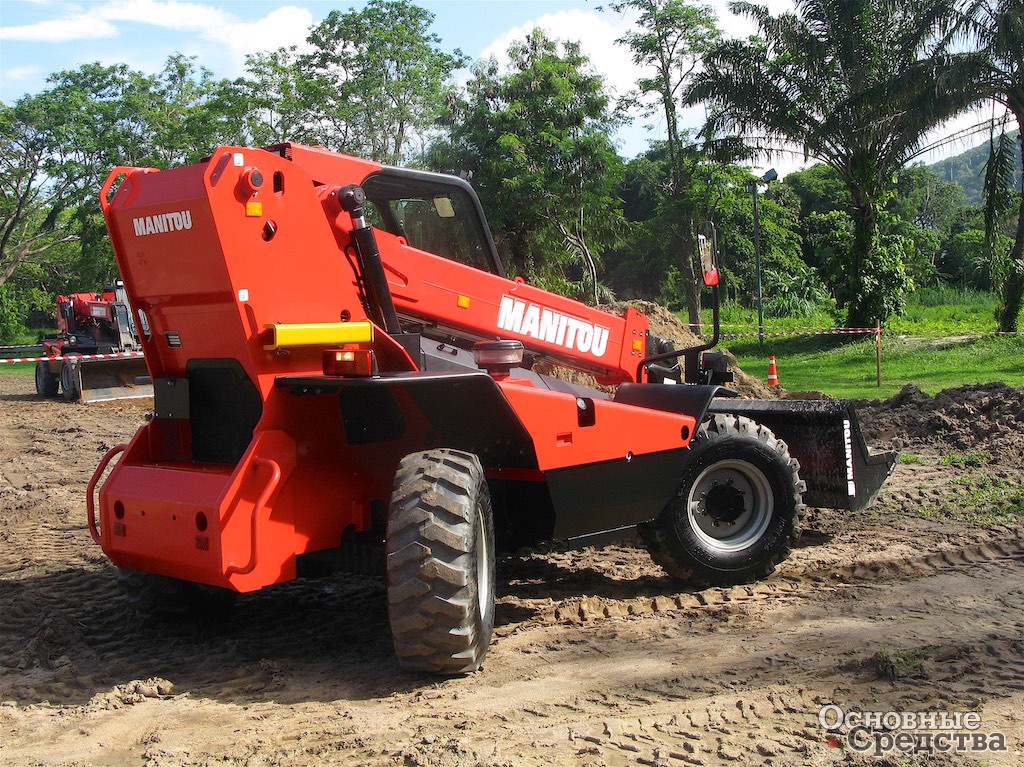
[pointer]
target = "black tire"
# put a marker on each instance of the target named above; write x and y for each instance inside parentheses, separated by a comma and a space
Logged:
(737, 509)
(440, 562)
(46, 382)
(69, 382)
(158, 599)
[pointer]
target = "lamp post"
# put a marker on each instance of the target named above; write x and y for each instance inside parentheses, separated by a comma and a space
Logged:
(769, 176)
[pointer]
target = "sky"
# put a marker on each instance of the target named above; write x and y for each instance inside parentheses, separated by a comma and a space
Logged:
(39, 37)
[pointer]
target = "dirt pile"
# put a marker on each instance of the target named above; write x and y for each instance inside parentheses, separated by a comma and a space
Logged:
(979, 417)
(665, 324)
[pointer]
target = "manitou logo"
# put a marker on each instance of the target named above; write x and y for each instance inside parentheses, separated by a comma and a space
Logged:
(526, 319)
(162, 222)
(851, 486)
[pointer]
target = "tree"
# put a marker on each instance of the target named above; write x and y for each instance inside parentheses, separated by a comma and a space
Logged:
(60, 144)
(670, 39)
(30, 202)
(279, 92)
(537, 139)
(997, 29)
(376, 79)
(857, 84)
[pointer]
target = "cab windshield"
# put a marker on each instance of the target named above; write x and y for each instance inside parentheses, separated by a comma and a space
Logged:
(433, 212)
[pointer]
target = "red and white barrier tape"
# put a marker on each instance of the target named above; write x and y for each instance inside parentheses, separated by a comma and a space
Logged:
(117, 355)
(827, 332)
(796, 327)
(789, 330)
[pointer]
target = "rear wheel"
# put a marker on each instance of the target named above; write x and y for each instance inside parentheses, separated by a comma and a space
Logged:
(440, 562)
(46, 382)
(737, 509)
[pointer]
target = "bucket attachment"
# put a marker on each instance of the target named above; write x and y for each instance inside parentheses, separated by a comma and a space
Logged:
(103, 380)
(825, 437)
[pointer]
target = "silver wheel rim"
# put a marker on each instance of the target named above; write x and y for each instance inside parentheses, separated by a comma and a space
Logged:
(483, 565)
(730, 505)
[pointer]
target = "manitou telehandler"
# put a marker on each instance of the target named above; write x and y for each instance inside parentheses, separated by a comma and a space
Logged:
(95, 355)
(342, 380)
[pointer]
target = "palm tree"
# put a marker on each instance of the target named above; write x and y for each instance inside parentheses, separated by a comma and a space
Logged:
(996, 27)
(857, 84)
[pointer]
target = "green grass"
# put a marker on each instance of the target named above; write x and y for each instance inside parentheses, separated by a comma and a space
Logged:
(980, 499)
(848, 368)
(18, 370)
(944, 340)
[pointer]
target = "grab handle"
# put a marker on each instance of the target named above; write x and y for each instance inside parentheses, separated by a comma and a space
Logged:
(275, 478)
(90, 490)
(113, 176)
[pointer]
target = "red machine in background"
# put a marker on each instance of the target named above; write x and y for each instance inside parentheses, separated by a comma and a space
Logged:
(95, 354)
(342, 380)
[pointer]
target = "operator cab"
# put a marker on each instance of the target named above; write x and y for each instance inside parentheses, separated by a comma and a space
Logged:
(433, 212)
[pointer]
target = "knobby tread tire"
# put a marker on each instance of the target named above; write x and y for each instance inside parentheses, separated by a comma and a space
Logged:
(157, 599)
(670, 538)
(440, 562)
(47, 384)
(69, 382)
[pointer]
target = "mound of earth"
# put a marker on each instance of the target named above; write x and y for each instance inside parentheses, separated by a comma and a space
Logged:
(978, 417)
(667, 325)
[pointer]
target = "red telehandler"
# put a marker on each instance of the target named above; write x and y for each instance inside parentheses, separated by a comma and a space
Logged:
(342, 380)
(95, 354)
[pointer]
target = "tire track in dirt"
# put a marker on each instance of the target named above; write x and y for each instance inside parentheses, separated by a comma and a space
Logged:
(599, 658)
(793, 582)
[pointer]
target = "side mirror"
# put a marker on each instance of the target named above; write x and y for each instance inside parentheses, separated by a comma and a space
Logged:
(707, 249)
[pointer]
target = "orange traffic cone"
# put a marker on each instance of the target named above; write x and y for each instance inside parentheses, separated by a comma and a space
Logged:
(773, 372)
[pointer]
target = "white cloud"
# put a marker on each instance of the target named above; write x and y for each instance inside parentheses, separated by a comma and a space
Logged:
(596, 34)
(79, 27)
(167, 14)
(15, 74)
(220, 39)
(282, 27)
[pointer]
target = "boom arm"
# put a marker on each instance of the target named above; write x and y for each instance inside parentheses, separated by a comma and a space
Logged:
(463, 292)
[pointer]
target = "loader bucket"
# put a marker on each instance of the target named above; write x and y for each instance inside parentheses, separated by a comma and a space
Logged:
(825, 437)
(103, 380)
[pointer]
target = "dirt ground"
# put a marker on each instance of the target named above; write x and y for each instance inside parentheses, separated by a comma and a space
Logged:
(597, 658)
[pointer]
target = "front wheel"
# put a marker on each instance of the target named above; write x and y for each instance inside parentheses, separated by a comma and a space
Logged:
(70, 382)
(737, 509)
(440, 562)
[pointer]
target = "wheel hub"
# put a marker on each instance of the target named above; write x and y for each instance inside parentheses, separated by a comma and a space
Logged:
(724, 504)
(729, 505)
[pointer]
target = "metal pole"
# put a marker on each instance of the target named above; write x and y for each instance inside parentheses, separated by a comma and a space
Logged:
(878, 351)
(757, 268)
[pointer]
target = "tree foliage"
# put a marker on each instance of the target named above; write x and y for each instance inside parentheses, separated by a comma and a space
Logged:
(853, 83)
(857, 84)
(536, 137)
(376, 79)
(997, 29)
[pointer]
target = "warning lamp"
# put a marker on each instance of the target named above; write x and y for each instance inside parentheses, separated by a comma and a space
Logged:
(498, 357)
(348, 362)
(252, 179)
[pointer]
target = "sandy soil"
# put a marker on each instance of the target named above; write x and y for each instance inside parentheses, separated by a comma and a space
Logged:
(597, 659)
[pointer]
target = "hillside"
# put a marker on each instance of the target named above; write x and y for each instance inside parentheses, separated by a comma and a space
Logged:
(968, 169)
